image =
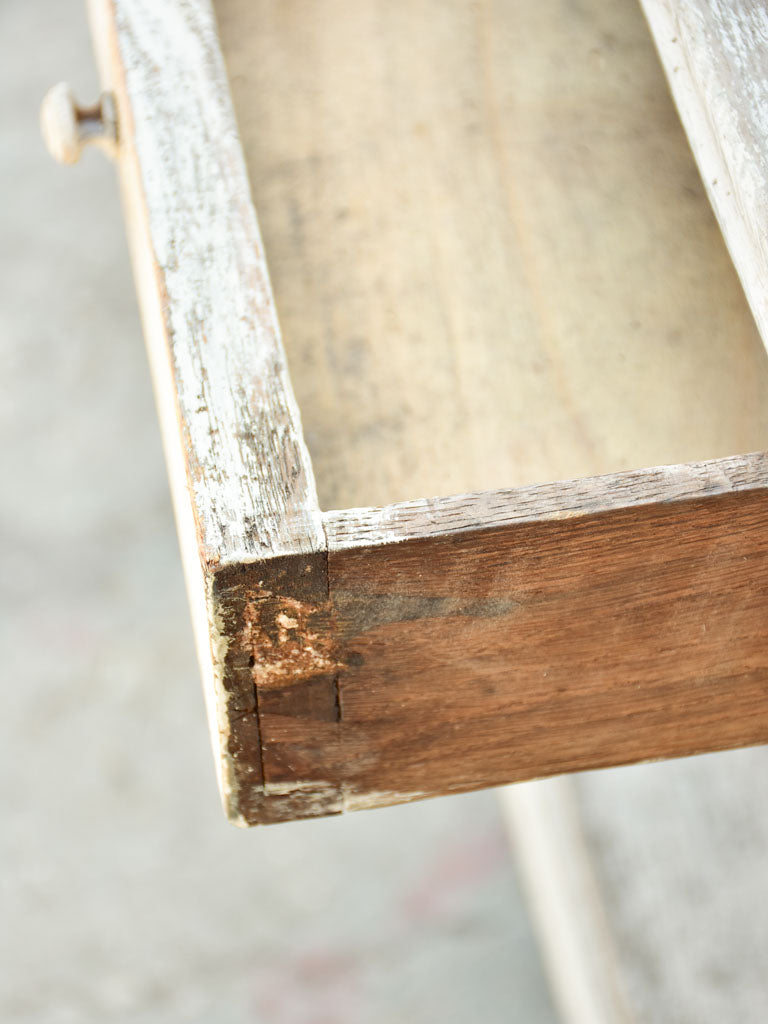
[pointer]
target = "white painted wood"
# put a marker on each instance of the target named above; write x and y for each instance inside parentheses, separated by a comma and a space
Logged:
(715, 54)
(240, 474)
(431, 517)
(248, 473)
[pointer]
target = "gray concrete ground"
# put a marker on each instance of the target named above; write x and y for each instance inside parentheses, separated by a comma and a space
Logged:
(679, 849)
(125, 895)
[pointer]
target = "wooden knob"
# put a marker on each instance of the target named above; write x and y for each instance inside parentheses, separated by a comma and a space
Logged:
(68, 128)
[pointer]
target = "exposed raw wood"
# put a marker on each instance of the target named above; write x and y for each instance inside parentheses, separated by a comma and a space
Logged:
(715, 53)
(494, 261)
(436, 518)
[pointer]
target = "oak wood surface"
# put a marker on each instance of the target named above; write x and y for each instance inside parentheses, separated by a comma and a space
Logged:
(545, 645)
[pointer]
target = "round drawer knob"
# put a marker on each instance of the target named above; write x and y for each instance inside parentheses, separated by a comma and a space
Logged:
(68, 128)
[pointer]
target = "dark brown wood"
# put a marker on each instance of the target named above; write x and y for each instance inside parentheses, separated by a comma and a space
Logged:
(556, 646)
(622, 625)
(280, 660)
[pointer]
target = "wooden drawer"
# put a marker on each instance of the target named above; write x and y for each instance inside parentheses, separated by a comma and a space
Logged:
(494, 266)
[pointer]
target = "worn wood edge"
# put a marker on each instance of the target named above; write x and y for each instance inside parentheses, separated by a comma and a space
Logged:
(276, 586)
(257, 654)
(570, 499)
(249, 474)
(228, 518)
(276, 627)
(151, 298)
(690, 487)
(271, 621)
(713, 54)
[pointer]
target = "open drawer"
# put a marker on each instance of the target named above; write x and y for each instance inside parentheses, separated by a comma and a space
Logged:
(495, 266)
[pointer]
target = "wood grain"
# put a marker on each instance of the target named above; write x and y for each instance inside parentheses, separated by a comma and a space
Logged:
(248, 471)
(240, 473)
(494, 260)
(546, 645)
(715, 53)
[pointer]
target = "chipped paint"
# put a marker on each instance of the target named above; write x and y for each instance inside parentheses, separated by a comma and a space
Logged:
(456, 514)
(307, 799)
(355, 801)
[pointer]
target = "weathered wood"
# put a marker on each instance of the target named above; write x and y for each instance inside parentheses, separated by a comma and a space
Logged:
(715, 53)
(249, 473)
(436, 518)
(441, 644)
(241, 477)
(555, 642)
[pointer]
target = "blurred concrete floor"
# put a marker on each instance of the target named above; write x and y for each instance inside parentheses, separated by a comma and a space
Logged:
(125, 895)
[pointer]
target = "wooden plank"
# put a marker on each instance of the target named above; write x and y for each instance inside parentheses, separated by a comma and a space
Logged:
(240, 473)
(555, 642)
(715, 53)
(673, 855)
(450, 643)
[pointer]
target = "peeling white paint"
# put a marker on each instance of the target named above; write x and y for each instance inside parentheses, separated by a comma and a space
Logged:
(570, 499)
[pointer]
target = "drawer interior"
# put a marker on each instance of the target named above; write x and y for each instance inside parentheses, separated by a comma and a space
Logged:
(493, 259)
